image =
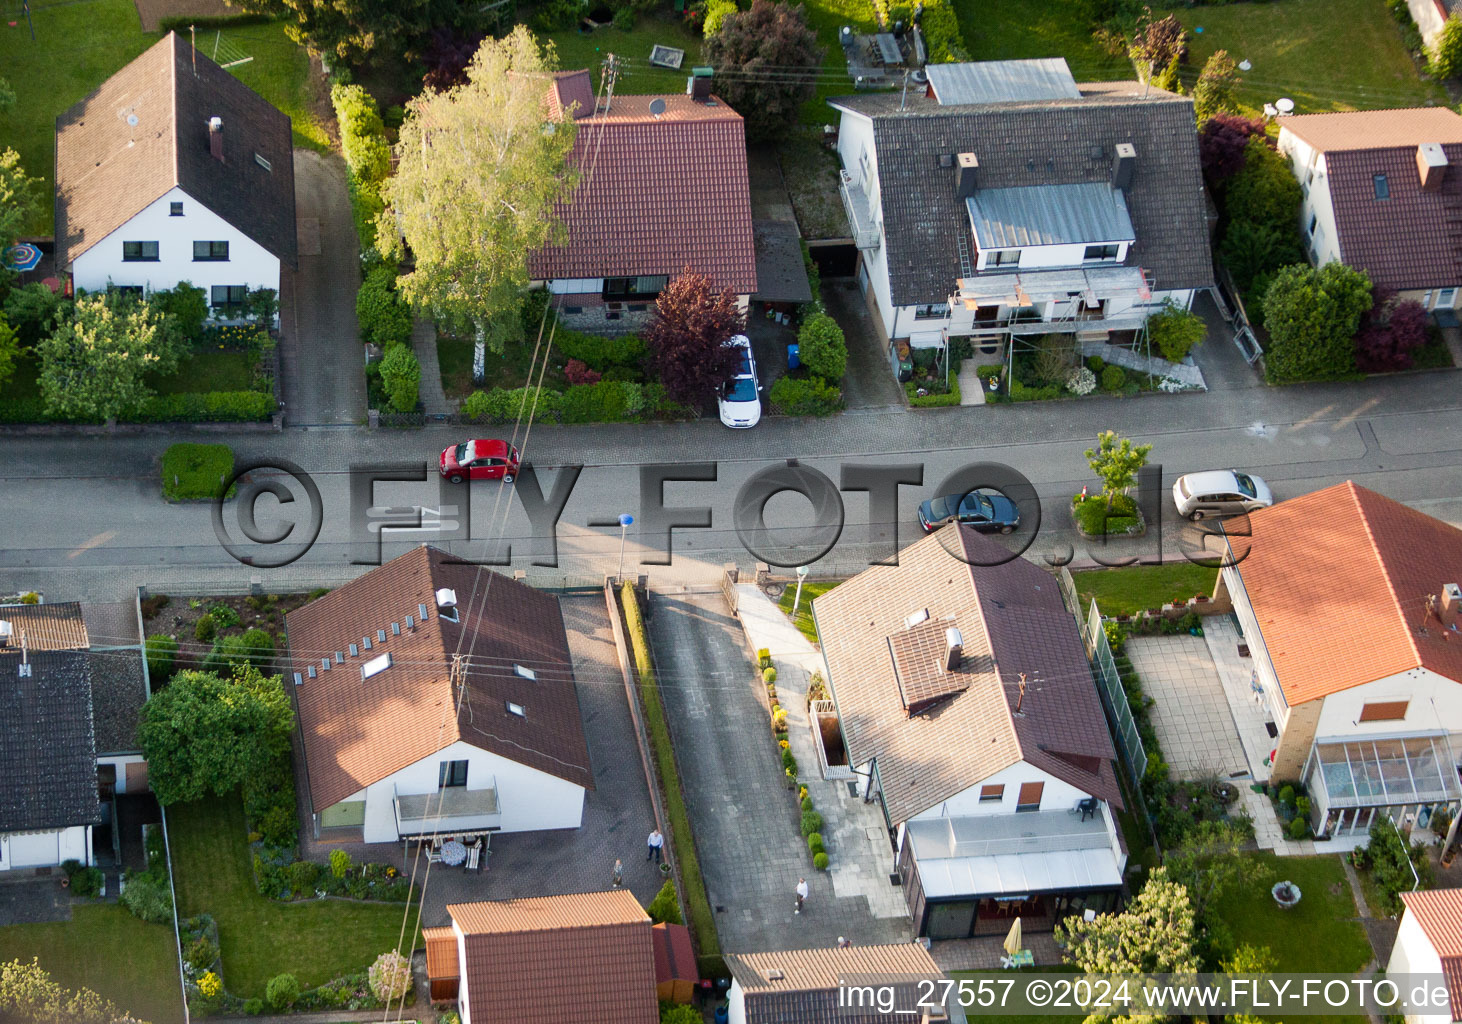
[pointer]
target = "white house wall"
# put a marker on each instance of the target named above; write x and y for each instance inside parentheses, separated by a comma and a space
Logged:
(1057, 794)
(1308, 166)
(45, 849)
(1048, 257)
(464, 1000)
(1414, 953)
(1263, 667)
(1434, 705)
(248, 262)
(120, 762)
(1429, 16)
(736, 1000)
(529, 799)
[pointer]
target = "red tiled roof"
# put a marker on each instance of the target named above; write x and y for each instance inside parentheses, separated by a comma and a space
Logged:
(358, 731)
(441, 953)
(1370, 129)
(1343, 563)
(579, 959)
(59, 626)
(656, 195)
(803, 986)
(1012, 620)
(1439, 913)
(571, 90)
(674, 956)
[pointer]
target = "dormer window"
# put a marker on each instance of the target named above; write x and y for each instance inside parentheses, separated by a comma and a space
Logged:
(375, 666)
(1101, 252)
(1004, 258)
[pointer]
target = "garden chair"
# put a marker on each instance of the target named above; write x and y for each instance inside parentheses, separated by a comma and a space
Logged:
(474, 857)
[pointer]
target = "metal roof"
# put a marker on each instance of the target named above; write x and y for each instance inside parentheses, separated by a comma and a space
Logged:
(1003, 81)
(1049, 215)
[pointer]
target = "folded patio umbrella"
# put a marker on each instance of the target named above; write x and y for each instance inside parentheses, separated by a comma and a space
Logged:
(1012, 941)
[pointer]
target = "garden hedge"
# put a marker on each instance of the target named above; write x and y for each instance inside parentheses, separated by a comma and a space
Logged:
(384, 318)
(809, 396)
(607, 401)
(192, 407)
(933, 401)
(367, 155)
(596, 352)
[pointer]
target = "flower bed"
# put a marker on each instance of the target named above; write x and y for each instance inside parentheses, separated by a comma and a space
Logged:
(1094, 517)
(811, 820)
(280, 877)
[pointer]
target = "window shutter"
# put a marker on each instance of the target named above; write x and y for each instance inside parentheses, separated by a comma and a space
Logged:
(1384, 711)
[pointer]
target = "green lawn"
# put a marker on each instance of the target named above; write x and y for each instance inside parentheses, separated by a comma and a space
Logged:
(578, 50)
(315, 941)
(104, 948)
(1017, 29)
(509, 370)
(193, 471)
(1139, 587)
(1323, 54)
(803, 619)
(1320, 934)
(80, 45)
(208, 370)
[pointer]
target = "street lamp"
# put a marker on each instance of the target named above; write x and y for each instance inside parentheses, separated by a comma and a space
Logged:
(625, 519)
(801, 575)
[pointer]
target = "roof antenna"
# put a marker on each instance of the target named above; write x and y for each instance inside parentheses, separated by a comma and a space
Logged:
(1020, 699)
(611, 72)
(193, 40)
(904, 99)
(1426, 610)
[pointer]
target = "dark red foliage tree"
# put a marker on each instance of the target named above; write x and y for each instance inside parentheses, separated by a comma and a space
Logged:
(1221, 143)
(1390, 334)
(446, 55)
(1159, 43)
(766, 61)
(692, 320)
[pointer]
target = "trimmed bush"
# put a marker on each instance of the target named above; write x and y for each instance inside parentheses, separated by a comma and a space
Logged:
(811, 396)
(815, 843)
(918, 401)
(87, 881)
(665, 907)
(604, 402)
(1299, 828)
(401, 375)
(384, 318)
(1096, 519)
(598, 353)
(227, 652)
(258, 647)
(822, 347)
(254, 1007)
(820, 861)
(224, 617)
(769, 675)
(811, 822)
(362, 132)
(807, 804)
(1114, 378)
(162, 651)
(147, 896)
(390, 976)
(303, 875)
(1175, 331)
(339, 863)
(282, 991)
(205, 629)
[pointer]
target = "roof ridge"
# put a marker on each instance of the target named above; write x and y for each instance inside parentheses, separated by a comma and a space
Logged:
(1353, 489)
(1008, 718)
(173, 76)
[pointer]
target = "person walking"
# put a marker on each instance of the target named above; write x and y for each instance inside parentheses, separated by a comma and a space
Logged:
(618, 872)
(654, 845)
(801, 893)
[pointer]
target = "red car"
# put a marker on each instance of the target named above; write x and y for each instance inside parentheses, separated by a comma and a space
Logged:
(480, 460)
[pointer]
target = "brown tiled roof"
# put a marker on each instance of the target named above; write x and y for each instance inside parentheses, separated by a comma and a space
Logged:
(441, 952)
(918, 656)
(571, 90)
(108, 170)
(1408, 240)
(1376, 129)
(359, 731)
(47, 627)
(674, 955)
(1012, 620)
(1344, 563)
(1439, 913)
(656, 195)
(580, 959)
(806, 992)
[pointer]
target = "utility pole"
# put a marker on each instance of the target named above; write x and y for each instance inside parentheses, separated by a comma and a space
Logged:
(611, 73)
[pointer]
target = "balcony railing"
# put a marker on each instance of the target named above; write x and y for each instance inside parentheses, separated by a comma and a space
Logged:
(453, 809)
(860, 213)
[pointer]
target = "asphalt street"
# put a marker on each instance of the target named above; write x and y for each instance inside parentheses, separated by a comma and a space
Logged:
(82, 517)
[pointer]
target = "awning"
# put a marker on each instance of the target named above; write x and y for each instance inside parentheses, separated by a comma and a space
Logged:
(1020, 873)
(926, 339)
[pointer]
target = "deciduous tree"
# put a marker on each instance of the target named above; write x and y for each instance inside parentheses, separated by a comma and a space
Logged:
(28, 993)
(1153, 935)
(766, 62)
(1158, 45)
(1222, 142)
(1208, 862)
(96, 362)
(1312, 317)
(480, 168)
(692, 321)
(822, 348)
(355, 30)
(1445, 58)
(1216, 88)
(1116, 460)
(1249, 959)
(1391, 333)
(205, 734)
(19, 198)
(9, 352)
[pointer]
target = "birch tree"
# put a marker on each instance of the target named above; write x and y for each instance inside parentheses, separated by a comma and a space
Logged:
(480, 168)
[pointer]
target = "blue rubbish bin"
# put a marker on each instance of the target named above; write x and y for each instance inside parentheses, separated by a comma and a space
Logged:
(723, 1013)
(793, 359)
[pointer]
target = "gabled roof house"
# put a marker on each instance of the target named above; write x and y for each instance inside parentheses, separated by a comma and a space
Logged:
(813, 986)
(1008, 200)
(663, 187)
(1381, 195)
(1429, 941)
(435, 695)
(968, 708)
(68, 712)
(1350, 605)
(585, 958)
(174, 170)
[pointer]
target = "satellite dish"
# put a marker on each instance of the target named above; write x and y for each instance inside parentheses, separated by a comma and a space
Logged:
(657, 106)
(1244, 65)
(132, 120)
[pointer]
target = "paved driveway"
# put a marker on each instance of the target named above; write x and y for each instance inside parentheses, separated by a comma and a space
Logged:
(321, 360)
(33, 900)
(869, 382)
(745, 822)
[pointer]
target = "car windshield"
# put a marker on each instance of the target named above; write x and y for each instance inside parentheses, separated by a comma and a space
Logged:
(741, 389)
(978, 506)
(1183, 487)
(1246, 485)
(460, 454)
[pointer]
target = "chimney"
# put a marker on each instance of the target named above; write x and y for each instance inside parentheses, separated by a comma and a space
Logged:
(969, 166)
(446, 599)
(954, 649)
(698, 85)
(1449, 608)
(1124, 164)
(215, 138)
(1431, 164)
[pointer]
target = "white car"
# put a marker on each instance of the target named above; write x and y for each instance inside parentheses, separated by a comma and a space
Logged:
(1220, 492)
(740, 397)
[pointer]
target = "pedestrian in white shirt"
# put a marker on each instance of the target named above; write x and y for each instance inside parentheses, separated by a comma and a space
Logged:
(802, 891)
(654, 845)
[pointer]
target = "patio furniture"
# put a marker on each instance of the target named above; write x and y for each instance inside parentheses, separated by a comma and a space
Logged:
(888, 48)
(453, 853)
(1088, 808)
(433, 855)
(662, 56)
(1022, 958)
(474, 857)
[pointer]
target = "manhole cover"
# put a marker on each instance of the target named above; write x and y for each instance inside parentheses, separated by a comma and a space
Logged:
(774, 589)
